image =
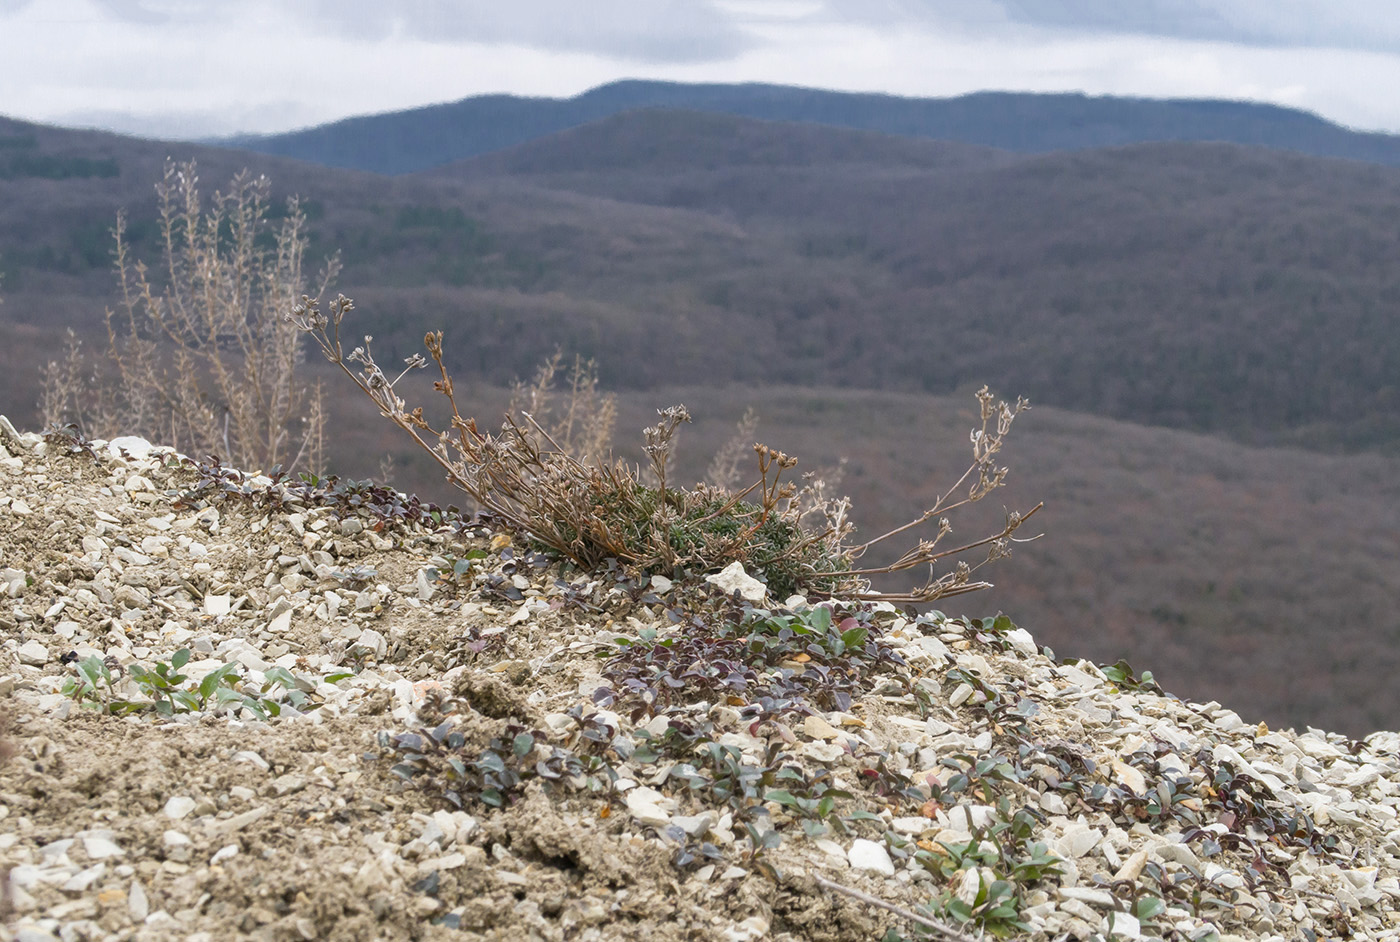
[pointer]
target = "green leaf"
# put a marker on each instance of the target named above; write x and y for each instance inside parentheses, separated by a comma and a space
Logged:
(256, 708)
(855, 637)
(782, 797)
(184, 700)
(338, 677)
(524, 742)
(959, 910)
(1149, 907)
(214, 680)
(280, 675)
(180, 658)
(820, 618)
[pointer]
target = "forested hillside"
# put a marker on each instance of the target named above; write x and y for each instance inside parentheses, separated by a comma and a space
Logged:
(1186, 314)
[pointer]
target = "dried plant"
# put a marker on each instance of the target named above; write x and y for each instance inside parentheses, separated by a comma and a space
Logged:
(588, 509)
(200, 357)
(583, 425)
(724, 470)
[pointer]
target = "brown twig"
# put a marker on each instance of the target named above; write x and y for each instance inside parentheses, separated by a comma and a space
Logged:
(940, 927)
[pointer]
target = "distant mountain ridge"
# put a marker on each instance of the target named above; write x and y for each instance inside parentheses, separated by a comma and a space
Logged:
(422, 138)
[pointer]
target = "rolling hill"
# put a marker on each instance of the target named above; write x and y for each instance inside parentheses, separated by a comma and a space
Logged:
(421, 138)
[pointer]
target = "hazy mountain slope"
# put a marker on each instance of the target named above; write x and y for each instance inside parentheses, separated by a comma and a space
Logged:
(666, 140)
(1183, 284)
(416, 139)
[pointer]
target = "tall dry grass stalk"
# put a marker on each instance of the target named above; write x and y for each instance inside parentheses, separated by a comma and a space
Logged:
(550, 481)
(198, 355)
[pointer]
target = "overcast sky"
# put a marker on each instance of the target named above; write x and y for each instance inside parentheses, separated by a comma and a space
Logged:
(190, 68)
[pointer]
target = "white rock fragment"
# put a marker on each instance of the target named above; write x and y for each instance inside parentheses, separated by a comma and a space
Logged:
(137, 904)
(649, 806)
(1077, 840)
(14, 580)
(694, 825)
(33, 653)
(733, 578)
(1022, 642)
(83, 879)
(1123, 925)
(252, 758)
(372, 641)
(911, 825)
(134, 446)
(217, 605)
(239, 821)
(970, 884)
(817, 728)
(422, 586)
(1087, 894)
(868, 855)
(281, 622)
(227, 852)
(100, 848)
(1133, 779)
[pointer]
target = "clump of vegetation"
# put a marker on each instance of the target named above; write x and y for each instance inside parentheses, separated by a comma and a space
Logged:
(167, 691)
(569, 497)
(777, 662)
(200, 358)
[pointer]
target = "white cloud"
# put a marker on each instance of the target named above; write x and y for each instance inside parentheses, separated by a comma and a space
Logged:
(193, 68)
(1356, 24)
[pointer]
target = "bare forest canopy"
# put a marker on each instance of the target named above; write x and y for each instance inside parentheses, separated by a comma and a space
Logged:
(1209, 330)
(420, 138)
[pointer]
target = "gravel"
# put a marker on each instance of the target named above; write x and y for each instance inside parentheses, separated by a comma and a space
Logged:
(227, 821)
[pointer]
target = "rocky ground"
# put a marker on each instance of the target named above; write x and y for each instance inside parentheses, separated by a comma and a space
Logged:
(240, 708)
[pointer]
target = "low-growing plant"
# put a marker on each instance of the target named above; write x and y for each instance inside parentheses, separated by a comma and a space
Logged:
(1004, 861)
(385, 507)
(589, 508)
(168, 691)
(765, 662)
(443, 762)
(93, 687)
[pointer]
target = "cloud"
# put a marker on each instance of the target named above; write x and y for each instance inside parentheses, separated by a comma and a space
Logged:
(1359, 24)
(634, 30)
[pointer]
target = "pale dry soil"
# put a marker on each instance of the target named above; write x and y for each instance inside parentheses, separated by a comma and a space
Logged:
(214, 824)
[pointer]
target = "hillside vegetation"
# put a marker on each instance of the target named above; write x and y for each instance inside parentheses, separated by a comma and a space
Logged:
(1216, 289)
(421, 138)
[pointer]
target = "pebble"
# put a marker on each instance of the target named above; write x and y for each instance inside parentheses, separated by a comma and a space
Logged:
(868, 855)
(733, 578)
(99, 848)
(33, 653)
(649, 806)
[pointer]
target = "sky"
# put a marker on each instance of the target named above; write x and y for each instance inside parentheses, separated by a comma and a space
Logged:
(185, 69)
